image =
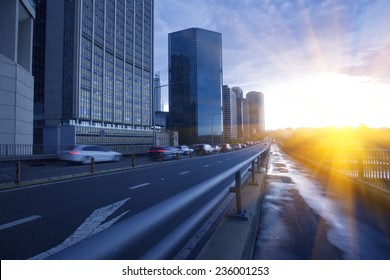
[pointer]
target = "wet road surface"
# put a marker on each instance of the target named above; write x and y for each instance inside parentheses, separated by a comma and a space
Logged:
(308, 216)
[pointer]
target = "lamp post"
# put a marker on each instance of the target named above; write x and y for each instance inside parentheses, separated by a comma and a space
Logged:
(212, 128)
(153, 105)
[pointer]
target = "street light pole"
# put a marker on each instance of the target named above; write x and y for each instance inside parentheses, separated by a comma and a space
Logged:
(212, 128)
(153, 105)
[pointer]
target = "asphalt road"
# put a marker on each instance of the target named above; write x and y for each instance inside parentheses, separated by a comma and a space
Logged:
(40, 220)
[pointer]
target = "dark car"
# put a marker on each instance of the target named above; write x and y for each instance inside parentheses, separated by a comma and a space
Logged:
(203, 149)
(226, 148)
(163, 152)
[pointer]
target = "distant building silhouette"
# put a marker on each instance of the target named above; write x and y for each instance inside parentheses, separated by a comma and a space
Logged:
(158, 107)
(255, 101)
(229, 115)
(241, 117)
(195, 91)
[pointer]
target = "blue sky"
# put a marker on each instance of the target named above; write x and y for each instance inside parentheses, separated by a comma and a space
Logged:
(318, 63)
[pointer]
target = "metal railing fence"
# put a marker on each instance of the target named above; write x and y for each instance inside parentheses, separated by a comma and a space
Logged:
(368, 165)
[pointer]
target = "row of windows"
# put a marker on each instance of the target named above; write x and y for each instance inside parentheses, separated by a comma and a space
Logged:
(107, 89)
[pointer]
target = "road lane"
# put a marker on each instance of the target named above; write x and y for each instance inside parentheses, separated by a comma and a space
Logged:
(65, 206)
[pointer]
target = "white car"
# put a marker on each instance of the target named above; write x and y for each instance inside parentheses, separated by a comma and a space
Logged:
(84, 153)
(185, 150)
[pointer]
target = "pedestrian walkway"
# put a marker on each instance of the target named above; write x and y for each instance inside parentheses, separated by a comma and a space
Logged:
(304, 216)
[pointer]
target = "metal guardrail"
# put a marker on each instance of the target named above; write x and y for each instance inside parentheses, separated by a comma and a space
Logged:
(114, 242)
(370, 166)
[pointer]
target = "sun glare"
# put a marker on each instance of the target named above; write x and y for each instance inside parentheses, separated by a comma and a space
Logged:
(329, 100)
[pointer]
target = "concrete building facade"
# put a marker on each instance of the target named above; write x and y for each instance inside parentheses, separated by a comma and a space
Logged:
(16, 80)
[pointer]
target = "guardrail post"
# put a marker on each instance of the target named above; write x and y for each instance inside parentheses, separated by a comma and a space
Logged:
(177, 156)
(238, 193)
(239, 214)
(253, 182)
(17, 177)
(160, 158)
(92, 166)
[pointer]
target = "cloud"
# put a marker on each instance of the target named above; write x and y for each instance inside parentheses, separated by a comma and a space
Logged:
(264, 40)
(375, 64)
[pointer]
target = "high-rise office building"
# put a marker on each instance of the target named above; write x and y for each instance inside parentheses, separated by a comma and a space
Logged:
(38, 70)
(16, 80)
(240, 112)
(99, 73)
(245, 119)
(195, 85)
(255, 101)
(157, 93)
(229, 114)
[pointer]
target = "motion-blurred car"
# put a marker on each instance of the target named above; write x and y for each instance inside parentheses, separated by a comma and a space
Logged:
(226, 148)
(185, 150)
(203, 149)
(237, 147)
(163, 152)
(84, 153)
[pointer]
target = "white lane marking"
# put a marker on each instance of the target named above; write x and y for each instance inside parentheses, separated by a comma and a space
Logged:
(207, 165)
(185, 172)
(139, 186)
(19, 222)
(92, 225)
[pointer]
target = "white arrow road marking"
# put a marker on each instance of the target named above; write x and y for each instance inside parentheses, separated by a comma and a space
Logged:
(18, 222)
(92, 225)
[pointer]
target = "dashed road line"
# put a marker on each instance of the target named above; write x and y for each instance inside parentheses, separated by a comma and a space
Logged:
(185, 172)
(207, 165)
(139, 186)
(19, 222)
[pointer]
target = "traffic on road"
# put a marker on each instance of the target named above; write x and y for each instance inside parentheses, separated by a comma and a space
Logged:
(44, 218)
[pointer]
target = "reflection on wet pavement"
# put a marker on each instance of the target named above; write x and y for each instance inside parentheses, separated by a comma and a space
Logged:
(303, 218)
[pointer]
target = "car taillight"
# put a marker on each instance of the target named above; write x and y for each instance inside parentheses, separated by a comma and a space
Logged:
(157, 151)
(74, 153)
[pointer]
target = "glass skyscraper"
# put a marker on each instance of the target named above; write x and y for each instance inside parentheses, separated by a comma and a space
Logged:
(99, 72)
(195, 85)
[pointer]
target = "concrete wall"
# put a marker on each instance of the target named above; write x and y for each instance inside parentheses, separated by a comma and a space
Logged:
(16, 103)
